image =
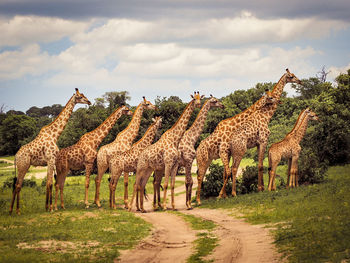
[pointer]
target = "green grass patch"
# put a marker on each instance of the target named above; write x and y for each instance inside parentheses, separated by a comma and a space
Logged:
(312, 223)
(204, 246)
(71, 235)
(197, 223)
(4, 164)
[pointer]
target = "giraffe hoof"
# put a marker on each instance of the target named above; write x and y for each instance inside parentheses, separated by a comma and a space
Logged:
(143, 211)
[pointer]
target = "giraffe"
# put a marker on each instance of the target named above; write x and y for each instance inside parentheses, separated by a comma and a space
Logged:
(289, 148)
(127, 161)
(216, 145)
(163, 155)
(43, 150)
(253, 131)
(121, 143)
(82, 155)
(187, 150)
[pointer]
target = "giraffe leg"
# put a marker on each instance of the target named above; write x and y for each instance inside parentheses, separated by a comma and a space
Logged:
(173, 175)
(159, 175)
(102, 166)
(22, 169)
(88, 170)
(226, 162)
(126, 184)
(133, 196)
(272, 174)
(236, 162)
(189, 183)
(166, 181)
(288, 172)
(261, 151)
(49, 184)
(200, 175)
(156, 190)
(293, 171)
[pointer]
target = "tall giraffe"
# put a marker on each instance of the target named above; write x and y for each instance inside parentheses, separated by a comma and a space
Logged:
(82, 155)
(127, 161)
(187, 150)
(121, 143)
(163, 155)
(43, 149)
(216, 145)
(253, 132)
(289, 148)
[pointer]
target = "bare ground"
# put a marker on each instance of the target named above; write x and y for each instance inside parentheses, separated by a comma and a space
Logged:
(171, 239)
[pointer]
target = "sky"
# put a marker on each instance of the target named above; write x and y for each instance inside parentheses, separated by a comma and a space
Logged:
(163, 47)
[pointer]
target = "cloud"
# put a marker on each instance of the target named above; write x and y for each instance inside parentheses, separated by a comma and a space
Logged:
(26, 30)
(186, 9)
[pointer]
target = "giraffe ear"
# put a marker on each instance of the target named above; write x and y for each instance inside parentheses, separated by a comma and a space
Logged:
(192, 96)
(202, 96)
(153, 119)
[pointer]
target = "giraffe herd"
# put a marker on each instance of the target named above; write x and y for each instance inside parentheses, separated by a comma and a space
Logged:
(175, 148)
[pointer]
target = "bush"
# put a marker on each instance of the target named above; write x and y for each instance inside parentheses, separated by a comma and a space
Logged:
(248, 182)
(213, 182)
(310, 169)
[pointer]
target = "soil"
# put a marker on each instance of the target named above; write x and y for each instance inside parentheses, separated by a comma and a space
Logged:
(171, 239)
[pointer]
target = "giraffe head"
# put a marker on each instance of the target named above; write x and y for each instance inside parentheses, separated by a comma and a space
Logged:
(157, 121)
(197, 99)
(291, 78)
(312, 115)
(268, 99)
(80, 98)
(215, 103)
(125, 111)
(147, 104)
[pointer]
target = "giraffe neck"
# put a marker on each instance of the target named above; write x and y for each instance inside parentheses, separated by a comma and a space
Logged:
(192, 134)
(57, 126)
(297, 123)
(130, 132)
(278, 88)
(147, 138)
(96, 136)
(177, 131)
(301, 130)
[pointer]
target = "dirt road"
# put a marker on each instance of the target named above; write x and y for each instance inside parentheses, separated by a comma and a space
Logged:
(171, 239)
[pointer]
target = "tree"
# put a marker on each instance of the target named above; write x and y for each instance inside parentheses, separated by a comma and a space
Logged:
(15, 131)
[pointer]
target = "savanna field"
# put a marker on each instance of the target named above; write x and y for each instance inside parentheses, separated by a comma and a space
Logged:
(309, 223)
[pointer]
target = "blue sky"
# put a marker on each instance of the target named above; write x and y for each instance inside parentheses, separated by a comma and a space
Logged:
(163, 48)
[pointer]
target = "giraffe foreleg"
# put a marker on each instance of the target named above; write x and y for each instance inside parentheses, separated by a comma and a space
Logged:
(261, 152)
(88, 170)
(225, 158)
(173, 175)
(102, 166)
(189, 183)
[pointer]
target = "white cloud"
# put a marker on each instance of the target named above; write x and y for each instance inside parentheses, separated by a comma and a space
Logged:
(28, 61)
(25, 30)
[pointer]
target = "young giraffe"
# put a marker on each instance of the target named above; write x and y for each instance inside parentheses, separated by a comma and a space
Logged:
(122, 142)
(43, 150)
(187, 150)
(127, 162)
(289, 148)
(216, 145)
(82, 155)
(253, 132)
(163, 156)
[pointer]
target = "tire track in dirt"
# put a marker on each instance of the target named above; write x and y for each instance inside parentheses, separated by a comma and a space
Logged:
(171, 239)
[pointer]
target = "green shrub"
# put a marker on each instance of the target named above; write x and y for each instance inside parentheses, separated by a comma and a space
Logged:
(310, 169)
(213, 182)
(248, 182)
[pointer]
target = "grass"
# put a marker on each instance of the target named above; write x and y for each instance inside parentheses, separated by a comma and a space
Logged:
(71, 235)
(206, 241)
(311, 223)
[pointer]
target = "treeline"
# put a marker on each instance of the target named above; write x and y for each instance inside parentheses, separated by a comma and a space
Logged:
(326, 142)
